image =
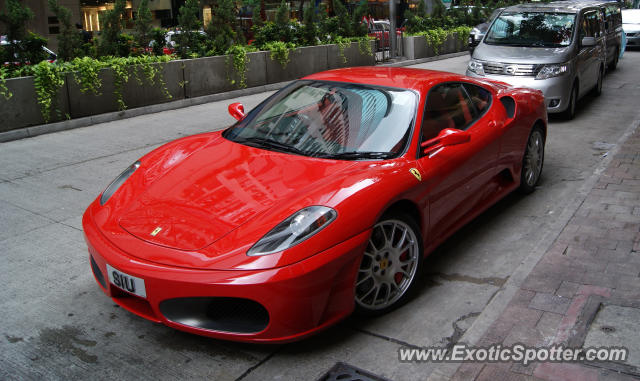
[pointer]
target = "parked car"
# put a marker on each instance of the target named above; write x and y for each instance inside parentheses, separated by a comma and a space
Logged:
(477, 33)
(380, 29)
(51, 56)
(631, 26)
(558, 48)
(171, 41)
(323, 199)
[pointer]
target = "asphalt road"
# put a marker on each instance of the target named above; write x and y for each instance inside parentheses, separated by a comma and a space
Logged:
(57, 324)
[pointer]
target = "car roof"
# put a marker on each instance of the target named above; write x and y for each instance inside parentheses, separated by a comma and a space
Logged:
(401, 77)
(555, 6)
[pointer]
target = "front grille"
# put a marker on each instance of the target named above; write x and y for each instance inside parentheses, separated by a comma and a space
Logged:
(97, 273)
(218, 314)
(631, 34)
(525, 70)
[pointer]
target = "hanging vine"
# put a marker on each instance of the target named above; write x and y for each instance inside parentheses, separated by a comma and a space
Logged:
(48, 80)
(237, 56)
(4, 90)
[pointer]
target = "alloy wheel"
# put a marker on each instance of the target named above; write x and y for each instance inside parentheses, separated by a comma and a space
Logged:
(389, 265)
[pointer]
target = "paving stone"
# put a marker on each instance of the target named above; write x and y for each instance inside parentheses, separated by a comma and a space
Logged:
(550, 303)
(567, 289)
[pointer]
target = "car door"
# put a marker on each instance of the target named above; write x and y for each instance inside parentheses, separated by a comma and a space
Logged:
(588, 56)
(456, 174)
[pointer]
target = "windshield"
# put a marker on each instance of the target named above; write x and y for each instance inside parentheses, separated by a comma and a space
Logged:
(537, 29)
(331, 120)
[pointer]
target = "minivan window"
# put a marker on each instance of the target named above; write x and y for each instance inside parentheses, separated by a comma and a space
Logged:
(590, 26)
(535, 29)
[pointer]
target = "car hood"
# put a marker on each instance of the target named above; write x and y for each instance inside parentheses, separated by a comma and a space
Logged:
(631, 28)
(520, 54)
(214, 190)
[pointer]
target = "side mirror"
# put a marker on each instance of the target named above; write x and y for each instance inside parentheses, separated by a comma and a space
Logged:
(447, 137)
(588, 41)
(236, 110)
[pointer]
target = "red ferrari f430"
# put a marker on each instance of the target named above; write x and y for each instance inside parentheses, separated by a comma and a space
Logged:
(322, 200)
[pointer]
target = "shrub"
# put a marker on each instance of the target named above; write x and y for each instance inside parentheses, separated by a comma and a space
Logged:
(111, 22)
(143, 24)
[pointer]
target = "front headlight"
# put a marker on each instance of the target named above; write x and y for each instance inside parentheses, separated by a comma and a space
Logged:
(115, 184)
(476, 67)
(293, 230)
(549, 71)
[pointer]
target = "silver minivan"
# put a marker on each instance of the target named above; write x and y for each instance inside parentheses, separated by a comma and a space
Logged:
(558, 48)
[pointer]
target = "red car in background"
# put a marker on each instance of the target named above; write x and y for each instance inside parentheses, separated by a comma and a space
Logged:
(322, 200)
(380, 29)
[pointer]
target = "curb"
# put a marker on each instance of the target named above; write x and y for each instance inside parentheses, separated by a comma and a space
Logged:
(42, 129)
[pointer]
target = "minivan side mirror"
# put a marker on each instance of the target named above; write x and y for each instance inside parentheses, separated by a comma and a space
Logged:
(236, 110)
(588, 41)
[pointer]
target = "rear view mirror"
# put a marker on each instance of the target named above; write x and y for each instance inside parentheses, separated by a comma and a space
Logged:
(588, 41)
(447, 137)
(236, 110)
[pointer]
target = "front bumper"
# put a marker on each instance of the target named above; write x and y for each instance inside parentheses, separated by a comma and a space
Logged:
(300, 299)
(556, 90)
(633, 39)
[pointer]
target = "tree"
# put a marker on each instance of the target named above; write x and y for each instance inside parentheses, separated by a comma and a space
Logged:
(220, 28)
(111, 22)
(23, 47)
(310, 30)
(345, 27)
(143, 24)
(189, 39)
(69, 39)
(360, 28)
(15, 20)
(282, 14)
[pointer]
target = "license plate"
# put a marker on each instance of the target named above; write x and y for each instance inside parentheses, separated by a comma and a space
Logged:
(126, 282)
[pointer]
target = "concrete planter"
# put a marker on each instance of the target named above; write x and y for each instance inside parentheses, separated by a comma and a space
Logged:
(22, 109)
(134, 95)
(415, 47)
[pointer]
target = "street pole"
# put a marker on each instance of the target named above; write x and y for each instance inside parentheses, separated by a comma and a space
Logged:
(392, 32)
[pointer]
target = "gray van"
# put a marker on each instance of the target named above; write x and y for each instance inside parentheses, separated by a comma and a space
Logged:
(558, 48)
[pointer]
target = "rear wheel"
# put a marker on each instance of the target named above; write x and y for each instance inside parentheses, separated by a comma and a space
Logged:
(390, 265)
(612, 66)
(532, 161)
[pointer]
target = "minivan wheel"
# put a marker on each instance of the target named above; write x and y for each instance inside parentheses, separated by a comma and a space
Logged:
(612, 66)
(597, 90)
(570, 112)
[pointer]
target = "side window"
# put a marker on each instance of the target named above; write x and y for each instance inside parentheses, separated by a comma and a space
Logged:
(447, 106)
(480, 98)
(590, 25)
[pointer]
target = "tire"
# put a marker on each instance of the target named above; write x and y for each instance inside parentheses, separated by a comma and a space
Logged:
(390, 265)
(597, 89)
(614, 64)
(570, 112)
(532, 161)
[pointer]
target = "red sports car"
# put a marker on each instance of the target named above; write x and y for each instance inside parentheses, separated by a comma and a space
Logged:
(323, 199)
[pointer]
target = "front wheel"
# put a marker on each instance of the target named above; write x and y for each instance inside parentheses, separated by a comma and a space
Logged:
(532, 161)
(597, 90)
(570, 112)
(390, 265)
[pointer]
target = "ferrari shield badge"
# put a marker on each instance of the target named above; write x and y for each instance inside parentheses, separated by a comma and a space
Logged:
(416, 173)
(156, 231)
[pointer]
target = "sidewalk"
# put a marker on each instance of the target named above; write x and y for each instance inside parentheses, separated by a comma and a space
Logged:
(585, 291)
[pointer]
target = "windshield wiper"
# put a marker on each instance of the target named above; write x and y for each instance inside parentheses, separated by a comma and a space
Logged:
(355, 155)
(273, 144)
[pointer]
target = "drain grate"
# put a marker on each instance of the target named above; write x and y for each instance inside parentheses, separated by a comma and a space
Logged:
(345, 372)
